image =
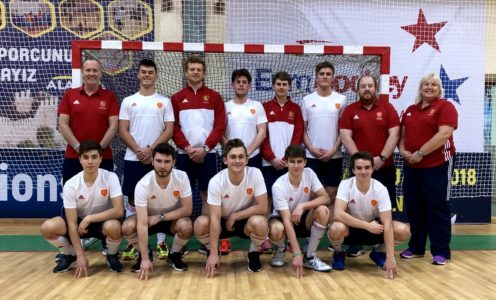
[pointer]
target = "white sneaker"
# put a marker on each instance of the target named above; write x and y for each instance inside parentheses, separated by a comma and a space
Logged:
(278, 258)
(316, 264)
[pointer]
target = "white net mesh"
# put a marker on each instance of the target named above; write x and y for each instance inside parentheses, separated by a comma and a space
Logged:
(451, 38)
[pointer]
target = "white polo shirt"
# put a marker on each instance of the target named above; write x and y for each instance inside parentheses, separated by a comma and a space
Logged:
(322, 117)
(146, 116)
(158, 200)
(233, 198)
(242, 121)
(285, 196)
(94, 199)
(365, 207)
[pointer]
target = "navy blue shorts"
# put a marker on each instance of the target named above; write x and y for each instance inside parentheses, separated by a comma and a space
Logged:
(329, 173)
(270, 175)
(133, 172)
(72, 166)
(300, 229)
(163, 227)
(239, 229)
(358, 236)
(202, 172)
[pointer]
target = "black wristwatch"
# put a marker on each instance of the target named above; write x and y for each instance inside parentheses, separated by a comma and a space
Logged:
(382, 157)
(162, 218)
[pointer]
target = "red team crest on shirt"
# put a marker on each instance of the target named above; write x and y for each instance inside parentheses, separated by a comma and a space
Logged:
(253, 111)
(103, 104)
(291, 115)
(379, 115)
(175, 193)
(432, 111)
(338, 106)
(159, 105)
(104, 192)
(373, 202)
(249, 191)
(306, 190)
(206, 98)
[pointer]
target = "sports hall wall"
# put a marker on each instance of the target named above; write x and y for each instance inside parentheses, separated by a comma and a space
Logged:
(452, 38)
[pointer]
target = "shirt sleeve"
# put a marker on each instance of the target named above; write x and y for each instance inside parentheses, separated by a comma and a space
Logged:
(315, 182)
(64, 107)
(448, 115)
(140, 195)
(169, 111)
(279, 199)
(124, 112)
(344, 191)
(345, 120)
(299, 127)
(393, 119)
(304, 110)
(214, 193)
(384, 200)
(114, 185)
(114, 104)
(186, 186)
(69, 196)
(261, 116)
(259, 183)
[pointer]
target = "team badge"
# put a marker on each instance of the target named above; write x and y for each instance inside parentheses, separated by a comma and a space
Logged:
(206, 98)
(306, 190)
(249, 191)
(253, 111)
(338, 106)
(175, 193)
(432, 111)
(103, 104)
(373, 202)
(379, 116)
(104, 192)
(291, 115)
(159, 104)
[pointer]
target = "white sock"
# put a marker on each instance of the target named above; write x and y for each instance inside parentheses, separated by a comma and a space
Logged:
(280, 245)
(63, 244)
(204, 240)
(112, 245)
(178, 244)
(316, 233)
(256, 242)
(161, 237)
(132, 239)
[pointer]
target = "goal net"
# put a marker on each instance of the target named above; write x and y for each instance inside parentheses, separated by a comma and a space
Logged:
(120, 61)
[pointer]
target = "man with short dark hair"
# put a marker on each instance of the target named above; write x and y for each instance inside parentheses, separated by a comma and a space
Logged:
(146, 119)
(237, 200)
(362, 215)
(93, 207)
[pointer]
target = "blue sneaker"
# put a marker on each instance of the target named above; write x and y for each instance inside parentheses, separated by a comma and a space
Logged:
(378, 257)
(338, 260)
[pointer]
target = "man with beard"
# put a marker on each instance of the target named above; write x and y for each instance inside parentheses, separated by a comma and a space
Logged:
(372, 125)
(163, 204)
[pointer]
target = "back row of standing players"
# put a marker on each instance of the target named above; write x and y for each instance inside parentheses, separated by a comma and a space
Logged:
(197, 119)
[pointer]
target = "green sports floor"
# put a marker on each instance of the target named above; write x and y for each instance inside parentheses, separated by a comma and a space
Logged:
(34, 243)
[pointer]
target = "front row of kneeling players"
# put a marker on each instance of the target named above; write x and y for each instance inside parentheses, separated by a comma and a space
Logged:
(237, 206)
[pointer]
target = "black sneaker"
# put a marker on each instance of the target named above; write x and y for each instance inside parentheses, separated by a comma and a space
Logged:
(184, 251)
(104, 247)
(137, 266)
(174, 260)
(114, 263)
(203, 250)
(65, 263)
(254, 264)
(58, 257)
(354, 251)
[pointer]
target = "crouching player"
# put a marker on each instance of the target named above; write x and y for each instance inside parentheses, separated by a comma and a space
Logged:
(93, 207)
(298, 214)
(362, 215)
(163, 204)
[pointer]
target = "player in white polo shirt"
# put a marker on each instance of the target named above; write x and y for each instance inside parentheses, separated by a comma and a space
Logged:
(163, 204)
(93, 207)
(296, 214)
(246, 120)
(362, 215)
(237, 199)
(146, 119)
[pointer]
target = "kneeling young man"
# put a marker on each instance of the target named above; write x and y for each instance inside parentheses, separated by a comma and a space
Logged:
(299, 216)
(362, 215)
(93, 207)
(163, 204)
(237, 199)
